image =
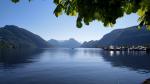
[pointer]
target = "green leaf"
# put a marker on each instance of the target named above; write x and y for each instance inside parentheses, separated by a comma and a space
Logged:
(58, 10)
(79, 23)
(15, 1)
(139, 27)
(57, 1)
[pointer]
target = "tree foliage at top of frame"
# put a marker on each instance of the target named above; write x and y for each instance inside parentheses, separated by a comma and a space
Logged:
(105, 11)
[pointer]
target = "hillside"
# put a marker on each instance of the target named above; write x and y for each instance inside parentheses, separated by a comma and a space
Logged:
(122, 37)
(90, 44)
(14, 37)
(71, 43)
(128, 36)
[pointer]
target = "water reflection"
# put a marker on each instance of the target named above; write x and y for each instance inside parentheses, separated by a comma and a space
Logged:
(73, 66)
(70, 52)
(135, 60)
(13, 58)
(138, 61)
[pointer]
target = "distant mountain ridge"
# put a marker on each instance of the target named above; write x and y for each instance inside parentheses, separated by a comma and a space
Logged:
(14, 37)
(126, 37)
(122, 37)
(71, 43)
(90, 44)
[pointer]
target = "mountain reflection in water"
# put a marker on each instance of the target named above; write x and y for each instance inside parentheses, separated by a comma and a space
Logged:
(134, 60)
(73, 66)
(13, 58)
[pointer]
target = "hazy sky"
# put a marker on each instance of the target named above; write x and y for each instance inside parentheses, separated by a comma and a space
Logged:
(37, 17)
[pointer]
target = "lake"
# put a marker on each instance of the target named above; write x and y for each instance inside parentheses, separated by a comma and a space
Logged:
(73, 66)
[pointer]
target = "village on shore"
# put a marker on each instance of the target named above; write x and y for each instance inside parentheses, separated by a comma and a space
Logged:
(127, 48)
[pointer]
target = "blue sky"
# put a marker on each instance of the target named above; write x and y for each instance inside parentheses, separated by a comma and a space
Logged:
(37, 17)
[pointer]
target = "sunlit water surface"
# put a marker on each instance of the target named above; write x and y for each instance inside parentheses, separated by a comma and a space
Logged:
(73, 66)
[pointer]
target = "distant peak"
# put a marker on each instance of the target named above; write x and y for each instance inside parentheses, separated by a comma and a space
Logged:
(11, 26)
(71, 39)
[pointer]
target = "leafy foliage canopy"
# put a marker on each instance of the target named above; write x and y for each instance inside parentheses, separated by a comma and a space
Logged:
(106, 11)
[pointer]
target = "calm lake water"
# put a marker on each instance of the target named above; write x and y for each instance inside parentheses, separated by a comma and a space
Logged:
(73, 66)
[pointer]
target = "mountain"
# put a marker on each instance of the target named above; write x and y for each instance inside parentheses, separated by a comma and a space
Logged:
(128, 36)
(122, 37)
(71, 43)
(54, 43)
(14, 37)
(90, 44)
